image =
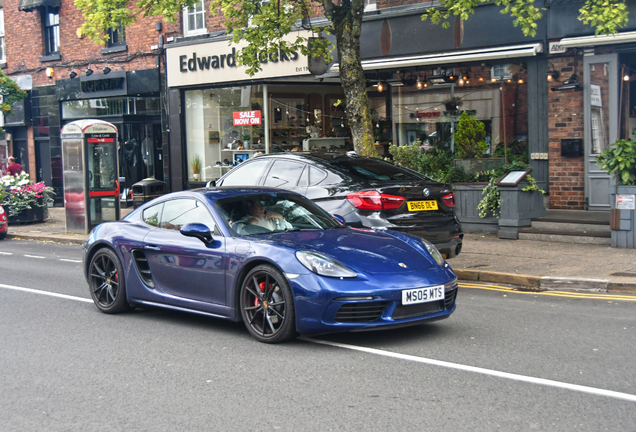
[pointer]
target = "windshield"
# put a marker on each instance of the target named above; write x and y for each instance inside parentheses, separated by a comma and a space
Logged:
(269, 212)
(376, 170)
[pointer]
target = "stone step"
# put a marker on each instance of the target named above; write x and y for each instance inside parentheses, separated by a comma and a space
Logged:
(561, 236)
(571, 226)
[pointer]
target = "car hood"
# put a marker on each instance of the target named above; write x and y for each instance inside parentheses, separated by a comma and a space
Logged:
(364, 249)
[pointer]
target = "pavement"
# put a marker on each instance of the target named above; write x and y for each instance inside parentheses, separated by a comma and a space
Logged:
(525, 264)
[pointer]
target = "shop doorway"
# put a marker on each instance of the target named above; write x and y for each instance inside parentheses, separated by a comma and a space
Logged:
(140, 152)
(600, 73)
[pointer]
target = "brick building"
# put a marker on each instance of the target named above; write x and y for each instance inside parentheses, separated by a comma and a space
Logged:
(185, 96)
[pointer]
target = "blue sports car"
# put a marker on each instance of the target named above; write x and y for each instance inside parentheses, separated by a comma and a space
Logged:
(270, 258)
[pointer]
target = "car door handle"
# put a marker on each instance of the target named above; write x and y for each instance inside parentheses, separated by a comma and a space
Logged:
(152, 247)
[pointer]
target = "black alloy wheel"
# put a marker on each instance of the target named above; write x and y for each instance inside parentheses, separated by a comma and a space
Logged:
(106, 282)
(267, 305)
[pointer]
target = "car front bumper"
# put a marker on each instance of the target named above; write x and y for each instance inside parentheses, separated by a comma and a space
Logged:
(325, 305)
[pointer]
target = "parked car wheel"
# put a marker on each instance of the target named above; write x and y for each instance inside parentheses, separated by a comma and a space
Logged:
(106, 282)
(267, 305)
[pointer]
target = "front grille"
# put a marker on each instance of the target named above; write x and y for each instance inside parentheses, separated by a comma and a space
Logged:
(450, 295)
(410, 311)
(141, 263)
(360, 312)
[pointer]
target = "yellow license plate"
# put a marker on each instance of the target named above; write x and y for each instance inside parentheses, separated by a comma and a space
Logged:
(422, 205)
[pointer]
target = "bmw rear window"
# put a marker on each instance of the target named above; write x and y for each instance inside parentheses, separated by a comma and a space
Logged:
(376, 170)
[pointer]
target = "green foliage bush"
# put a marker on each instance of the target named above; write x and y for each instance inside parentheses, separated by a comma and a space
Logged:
(620, 160)
(470, 137)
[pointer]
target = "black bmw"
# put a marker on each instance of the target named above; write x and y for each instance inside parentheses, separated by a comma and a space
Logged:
(367, 192)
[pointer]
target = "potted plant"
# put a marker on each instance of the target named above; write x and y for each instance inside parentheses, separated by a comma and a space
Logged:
(196, 167)
(24, 200)
(453, 103)
(620, 160)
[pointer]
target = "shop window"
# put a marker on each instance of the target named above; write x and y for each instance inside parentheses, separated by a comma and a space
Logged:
(194, 19)
(51, 26)
(369, 5)
(224, 127)
(2, 52)
(499, 72)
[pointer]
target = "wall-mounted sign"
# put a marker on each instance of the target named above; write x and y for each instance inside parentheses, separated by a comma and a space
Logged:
(625, 202)
(556, 48)
(595, 95)
(215, 62)
(101, 85)
(428, 114)
(246, 118)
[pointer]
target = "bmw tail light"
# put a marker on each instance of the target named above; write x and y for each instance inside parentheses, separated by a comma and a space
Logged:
(374, 200)
(449, 200)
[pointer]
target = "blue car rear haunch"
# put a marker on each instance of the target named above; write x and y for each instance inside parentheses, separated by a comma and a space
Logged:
(206, 251)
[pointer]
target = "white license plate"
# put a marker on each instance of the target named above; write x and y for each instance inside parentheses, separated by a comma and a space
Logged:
(423, 295)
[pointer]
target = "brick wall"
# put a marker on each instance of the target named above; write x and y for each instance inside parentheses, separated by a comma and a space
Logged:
(24, 47)
(565, 120)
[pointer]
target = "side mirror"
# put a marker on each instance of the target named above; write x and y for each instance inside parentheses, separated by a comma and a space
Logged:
(197, 230)
(211, 183)
(339, 219)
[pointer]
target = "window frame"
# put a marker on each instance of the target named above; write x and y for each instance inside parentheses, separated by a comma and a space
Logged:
(119, 33)
(51, 32)
(3, 53)
(187, 12)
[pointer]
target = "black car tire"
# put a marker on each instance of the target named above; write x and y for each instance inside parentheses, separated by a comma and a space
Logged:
(276, 322)
(107, 283)
(3, 235)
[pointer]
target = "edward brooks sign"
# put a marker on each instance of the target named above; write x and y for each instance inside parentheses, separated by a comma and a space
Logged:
(215, 62)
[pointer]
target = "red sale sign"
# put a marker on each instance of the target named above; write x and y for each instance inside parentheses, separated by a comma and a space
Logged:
(247, 118)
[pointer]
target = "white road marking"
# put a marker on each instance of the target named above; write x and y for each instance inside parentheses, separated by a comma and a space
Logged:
(70, 260)
(515, 377)
(524, 378)
(6, 253)
(46, 293)
(34, 256)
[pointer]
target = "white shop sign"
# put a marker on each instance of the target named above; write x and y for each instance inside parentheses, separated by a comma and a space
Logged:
(215, 62)
(595, 95)
(625, 202)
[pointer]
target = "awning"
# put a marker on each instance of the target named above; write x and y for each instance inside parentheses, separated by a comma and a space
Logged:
(527, 50)
(29, 5)
(584, 41)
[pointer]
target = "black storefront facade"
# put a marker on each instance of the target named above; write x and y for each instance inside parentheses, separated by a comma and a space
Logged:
(128, 99)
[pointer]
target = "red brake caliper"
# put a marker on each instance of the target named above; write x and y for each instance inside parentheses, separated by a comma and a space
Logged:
(262, 287)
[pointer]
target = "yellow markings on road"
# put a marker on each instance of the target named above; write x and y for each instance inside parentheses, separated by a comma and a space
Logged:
(586, 295)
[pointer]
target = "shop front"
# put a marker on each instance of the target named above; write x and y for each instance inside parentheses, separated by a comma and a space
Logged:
(226, 117)
(131, 102)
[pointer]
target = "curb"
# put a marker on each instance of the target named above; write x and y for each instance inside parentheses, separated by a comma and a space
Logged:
(53, 238)
(547, 283)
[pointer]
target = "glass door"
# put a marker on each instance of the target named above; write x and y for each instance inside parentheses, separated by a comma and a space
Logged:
(601, 124)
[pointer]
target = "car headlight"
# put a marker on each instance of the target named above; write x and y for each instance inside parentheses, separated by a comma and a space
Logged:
(439, 259)
(324, 266)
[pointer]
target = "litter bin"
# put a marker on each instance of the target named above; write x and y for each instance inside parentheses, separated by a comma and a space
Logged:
(146, 190)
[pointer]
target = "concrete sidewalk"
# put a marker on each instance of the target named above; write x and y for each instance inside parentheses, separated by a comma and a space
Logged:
(485, 258)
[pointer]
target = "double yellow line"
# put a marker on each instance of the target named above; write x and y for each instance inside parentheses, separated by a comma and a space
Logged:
(597, 296)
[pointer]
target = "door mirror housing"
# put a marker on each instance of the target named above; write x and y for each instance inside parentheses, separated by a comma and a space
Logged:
(339, 219)
(211, 183)
(197, 230)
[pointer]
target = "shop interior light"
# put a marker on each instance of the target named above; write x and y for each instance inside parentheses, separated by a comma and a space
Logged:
(520, 81)
(461, 81)
(626, 77)
(418, 83)
(552, 75)
(380, 86)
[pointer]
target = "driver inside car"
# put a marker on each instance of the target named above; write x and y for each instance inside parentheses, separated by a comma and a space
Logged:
(256, 214)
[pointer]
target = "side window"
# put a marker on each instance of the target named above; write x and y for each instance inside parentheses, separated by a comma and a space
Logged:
(117, 36)
(152, 215)
(304, 177)
(284, 174)
(316, 176)
(180, 212)
(246, 175)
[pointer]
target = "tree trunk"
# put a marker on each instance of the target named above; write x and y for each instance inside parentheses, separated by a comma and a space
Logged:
(347, 23)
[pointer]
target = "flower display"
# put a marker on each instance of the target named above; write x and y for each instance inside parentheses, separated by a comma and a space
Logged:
(19, 193)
